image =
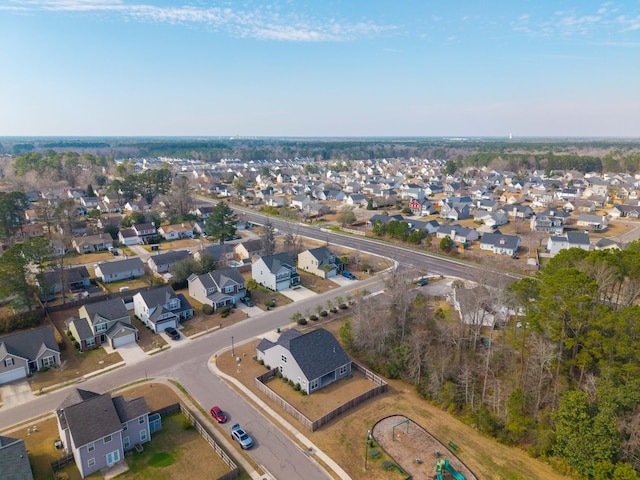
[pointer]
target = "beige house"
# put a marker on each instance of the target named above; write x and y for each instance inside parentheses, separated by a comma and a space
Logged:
(319, 261)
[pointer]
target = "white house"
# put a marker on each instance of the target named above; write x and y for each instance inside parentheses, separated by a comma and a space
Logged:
(276, 272)
(161, 308)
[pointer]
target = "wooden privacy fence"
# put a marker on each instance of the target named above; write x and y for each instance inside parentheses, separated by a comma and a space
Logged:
(381, 386)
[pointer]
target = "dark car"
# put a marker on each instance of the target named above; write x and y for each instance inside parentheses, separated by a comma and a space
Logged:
(349, 275)
(114, 252)
(240, 436)
(172, 332)
(218, 414)
(247, 301)
(422, 282)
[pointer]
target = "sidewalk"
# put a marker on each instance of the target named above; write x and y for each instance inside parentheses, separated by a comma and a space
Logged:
(311, 447)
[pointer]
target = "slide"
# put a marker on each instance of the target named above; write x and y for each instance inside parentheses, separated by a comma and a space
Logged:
(456, 474)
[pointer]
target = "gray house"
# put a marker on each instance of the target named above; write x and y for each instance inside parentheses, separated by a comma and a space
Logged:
(218, 288)
(162, 262)
(72, 278)
(276, 272)
(319, 261)
(500, 244)
(120, 270)
(98, 429)
(27, 352)
(161, 308)
(103, 322)
(568, 240)
(14, 460)
(314, 359)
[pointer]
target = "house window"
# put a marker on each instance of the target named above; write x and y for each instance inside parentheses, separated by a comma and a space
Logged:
(8, 362)
(125, 426)
(107, 439)
(48, 361)
(90, 342)
(314, 384)
(141, 420)
(91, 447)
(283, 358)
(343, 370)
(101, 327)
(143, 435)
(91, 462)
(126, 443)
(228, 289)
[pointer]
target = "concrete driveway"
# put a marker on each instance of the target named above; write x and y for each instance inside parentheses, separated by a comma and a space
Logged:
(16, 393)
(298, 294)
(342, 281)
(130, 353)
(251, 311)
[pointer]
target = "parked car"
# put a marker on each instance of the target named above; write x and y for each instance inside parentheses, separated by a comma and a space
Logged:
(349, 275)
(218, 414)
(247, 301)
(114, 252)
(172, 332)
(240, 436)
(422, 282)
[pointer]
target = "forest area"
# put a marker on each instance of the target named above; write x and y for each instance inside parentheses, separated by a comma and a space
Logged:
(559, 378)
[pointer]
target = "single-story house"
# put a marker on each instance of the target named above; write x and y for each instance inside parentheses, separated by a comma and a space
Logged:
(176, 232)
(28, 351)
(500, 244)
(93, 243)
(313, 360)
(115, 271)
(568, 240)
(162, 262)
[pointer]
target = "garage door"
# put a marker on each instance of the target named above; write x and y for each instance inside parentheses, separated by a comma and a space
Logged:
(124, 340)
(11, 375)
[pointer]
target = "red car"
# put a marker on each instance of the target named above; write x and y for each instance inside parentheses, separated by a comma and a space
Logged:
(218, 414)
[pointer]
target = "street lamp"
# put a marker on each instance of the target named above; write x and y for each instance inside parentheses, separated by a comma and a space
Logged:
(366, 448)
(233, 354)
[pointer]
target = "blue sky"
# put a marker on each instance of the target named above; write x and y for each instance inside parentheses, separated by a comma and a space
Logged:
(320, 68)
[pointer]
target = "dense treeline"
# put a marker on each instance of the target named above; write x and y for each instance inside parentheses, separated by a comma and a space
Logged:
(56, 166)
(561, 378)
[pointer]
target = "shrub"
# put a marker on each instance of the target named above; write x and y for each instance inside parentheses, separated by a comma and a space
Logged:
(207, 309)
(387, 465)
(334, 310)
(279, 374)
(261, 362)
(269, 303)
(343, 306)
(187, 424)
(69, 334)
(44, 369)
(323, 313)
(290, 382)
(225, 311)
(374, 453)
(297, 387)
(77, 345)
(302, 321)
(313, 318)
(304, 392)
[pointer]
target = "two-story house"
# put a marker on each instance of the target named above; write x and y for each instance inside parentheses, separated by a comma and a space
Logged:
(313, 360)
(161, 308)
(276, 272)
(98, 429)
(320, 261)
(422, 207)
(103, 322)
(145, 231)
(249, 249)
(218, 288)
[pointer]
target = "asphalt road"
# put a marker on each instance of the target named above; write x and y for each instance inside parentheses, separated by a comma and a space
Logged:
(187, 363)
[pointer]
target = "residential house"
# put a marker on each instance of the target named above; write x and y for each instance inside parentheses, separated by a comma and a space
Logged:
(607, 244)
(98, 429)
(27, 351)
(568, 240)
(517, 211)
(14, 459)
(249, 249)
(126, 269)
(162, 262)
(161, 308)
(355, 199)
(491, 219)
(454, 211)
(204, 211)
(222, 254)
(277, 272)
(93, 243)
(457, 233)
(500, 244)
(103, 322)
(313, 360)
(300, 202)
(31, 216)
(128, 237)
(145, 231)
(139, 206)
(383, 219)
(412, 191)
(218, 288)
(592, 222)
(200, 228)
(628, 211)
(552, 220)
(176, 232)
(320, 261)
(72, 278)
(422, 207)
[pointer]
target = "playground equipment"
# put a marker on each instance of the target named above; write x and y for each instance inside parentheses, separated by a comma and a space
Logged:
(443, 465)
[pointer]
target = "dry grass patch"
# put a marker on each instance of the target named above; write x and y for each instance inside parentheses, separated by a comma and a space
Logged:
(147, 340)
(315, 283)
(203, 323)
(344, 439)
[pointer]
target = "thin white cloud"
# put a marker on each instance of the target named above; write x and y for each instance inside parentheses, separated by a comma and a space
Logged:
(261, 23)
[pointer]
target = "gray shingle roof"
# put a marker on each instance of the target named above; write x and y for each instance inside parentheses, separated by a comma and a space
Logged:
(91, 419)
(275, 262)
(169, 257)
(111, 268)
(82, 327)
(107, 309)
(128, 409)
(28, 343)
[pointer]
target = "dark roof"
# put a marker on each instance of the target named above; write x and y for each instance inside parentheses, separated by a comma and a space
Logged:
(107, 309)
(252, 245)
(29, 343)
(119, 327)
(128, 409)
(158, 296)
(226, 277)
(499, 240)
(111, 268)
(82, 327)
(169, 257)
(71, 275)
(275, 262)
(316, 352)
(128, 233)
(217, 251)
